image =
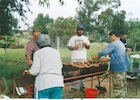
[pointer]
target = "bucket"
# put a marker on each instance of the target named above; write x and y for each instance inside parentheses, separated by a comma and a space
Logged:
(91, 92)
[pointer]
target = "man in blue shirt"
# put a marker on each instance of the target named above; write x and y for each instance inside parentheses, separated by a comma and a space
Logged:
(118, 68)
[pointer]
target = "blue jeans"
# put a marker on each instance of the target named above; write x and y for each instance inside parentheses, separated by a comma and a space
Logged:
(74, 85)
(51, 93)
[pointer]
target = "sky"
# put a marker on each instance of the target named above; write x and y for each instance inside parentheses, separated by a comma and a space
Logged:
(132, 7)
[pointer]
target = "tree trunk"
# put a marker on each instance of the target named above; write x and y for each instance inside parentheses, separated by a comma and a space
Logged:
(135, 45)
(5, 54)
(58, 45)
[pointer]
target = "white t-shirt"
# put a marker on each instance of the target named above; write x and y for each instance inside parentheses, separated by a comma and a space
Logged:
(47, 65)
(78, 41)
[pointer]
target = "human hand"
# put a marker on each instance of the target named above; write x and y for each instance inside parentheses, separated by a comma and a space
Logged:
(129, 50)
(84, 44)
(30, 62)
(95, 56)
(90, 60)
(76, 47)
(25, 72)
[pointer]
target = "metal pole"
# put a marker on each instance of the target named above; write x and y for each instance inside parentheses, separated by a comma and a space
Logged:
(58, 45)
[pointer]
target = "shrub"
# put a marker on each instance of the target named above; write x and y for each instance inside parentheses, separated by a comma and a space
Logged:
(16, 45)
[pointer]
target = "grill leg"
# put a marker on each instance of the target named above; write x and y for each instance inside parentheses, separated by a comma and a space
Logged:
(92, 82)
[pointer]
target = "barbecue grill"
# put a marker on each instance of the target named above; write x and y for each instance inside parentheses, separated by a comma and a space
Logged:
(70, 71)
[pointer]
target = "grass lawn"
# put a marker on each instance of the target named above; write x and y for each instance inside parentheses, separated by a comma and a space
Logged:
(15, 61)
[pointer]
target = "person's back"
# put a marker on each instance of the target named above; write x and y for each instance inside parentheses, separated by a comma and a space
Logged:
(47, 67)
(49, 57)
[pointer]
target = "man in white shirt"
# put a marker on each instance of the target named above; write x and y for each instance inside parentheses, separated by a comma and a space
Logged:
(78, 44)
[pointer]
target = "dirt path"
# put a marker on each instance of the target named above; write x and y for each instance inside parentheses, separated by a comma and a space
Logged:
(104, 83)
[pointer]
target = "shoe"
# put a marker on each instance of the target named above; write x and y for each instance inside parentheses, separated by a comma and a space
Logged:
(72, 90)
(82, 89)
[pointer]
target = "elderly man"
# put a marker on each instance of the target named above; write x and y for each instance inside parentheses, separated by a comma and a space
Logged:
(32, 47)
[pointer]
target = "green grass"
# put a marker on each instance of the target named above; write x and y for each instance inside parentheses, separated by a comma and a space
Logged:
(15, 61)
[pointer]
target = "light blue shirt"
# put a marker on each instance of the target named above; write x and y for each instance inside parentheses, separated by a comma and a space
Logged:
(117, 52)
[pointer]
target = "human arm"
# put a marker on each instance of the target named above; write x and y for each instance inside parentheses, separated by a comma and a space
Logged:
(29, 61)
(35, 68)
(128, 49)
(94, 57)
(29, 53)
(86, 46)
(71, 45)
(73, 48)
(108, 50)
(86, 43)
(125, 44)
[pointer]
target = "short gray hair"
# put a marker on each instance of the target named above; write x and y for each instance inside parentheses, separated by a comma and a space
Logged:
(43, 41)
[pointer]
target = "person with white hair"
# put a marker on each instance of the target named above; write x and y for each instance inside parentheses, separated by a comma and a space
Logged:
(47, 67)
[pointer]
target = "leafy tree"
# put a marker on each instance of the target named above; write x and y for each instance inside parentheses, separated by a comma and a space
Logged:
(7, 8)
(5, 43)
(134, 39)
(99, 24)
(118, 23)
(104, 23)
(133, 32)
(85, 14)
(42, 23)
(110, 20)
(64, 28)
(47, 2)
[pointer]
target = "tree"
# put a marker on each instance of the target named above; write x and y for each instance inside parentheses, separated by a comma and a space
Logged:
(110, 20)
(104, 23)
(42, 23)
(5, 42)
(47, 2)
(118, 23)
(85, 14)
(7, 20)
(64, 28)
(134, 39)
(97, 24)
(133, 32)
